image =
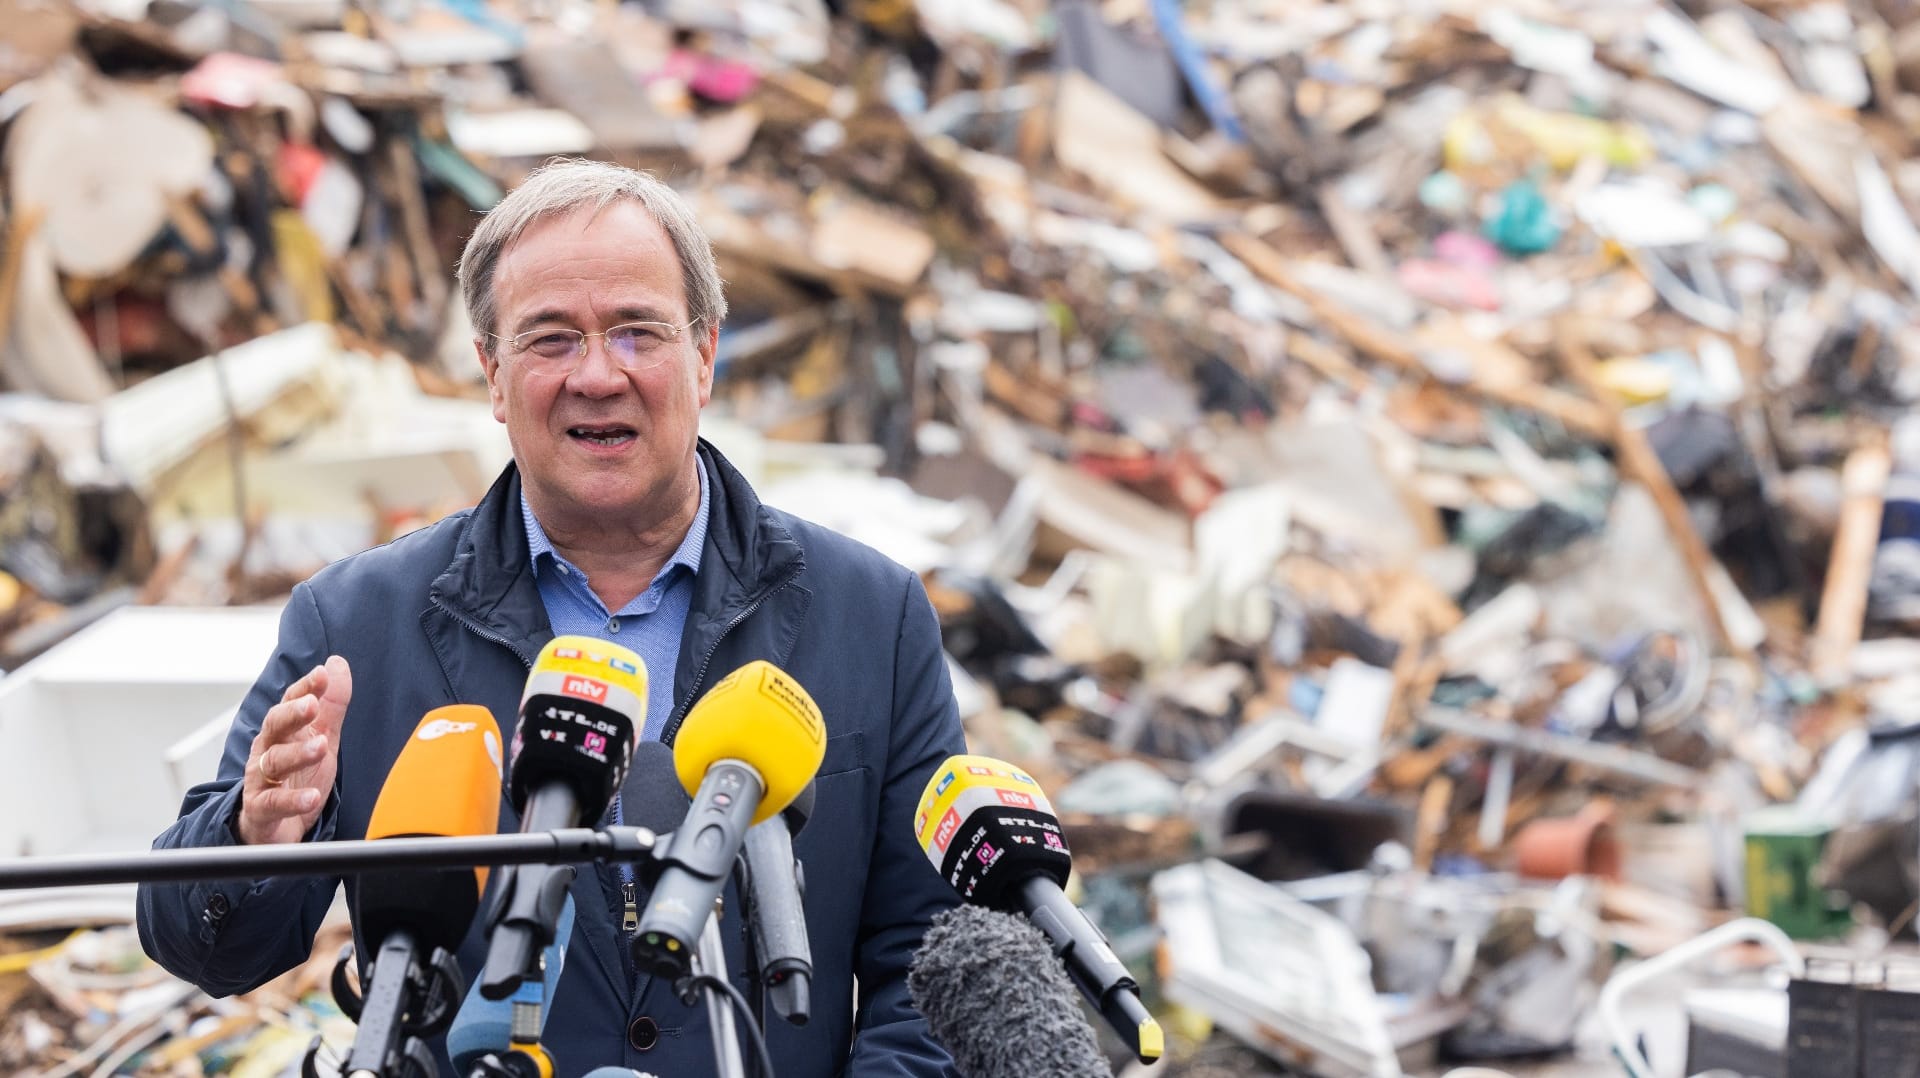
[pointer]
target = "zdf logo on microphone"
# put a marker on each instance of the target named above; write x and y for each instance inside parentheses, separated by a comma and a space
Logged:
(440, 728)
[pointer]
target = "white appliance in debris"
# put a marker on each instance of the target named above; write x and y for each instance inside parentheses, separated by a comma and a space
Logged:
(102, 736)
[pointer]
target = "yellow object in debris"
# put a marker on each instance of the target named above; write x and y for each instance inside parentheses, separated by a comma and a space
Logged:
(1565, 138)
(303, 265)
(19, 963)
(272, 1052)
(1187, 1024)
(1635, 380)
(9, 592)
(1467, 145)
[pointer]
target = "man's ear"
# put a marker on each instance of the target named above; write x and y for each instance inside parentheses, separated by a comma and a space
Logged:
(709, 348)
(490, 369)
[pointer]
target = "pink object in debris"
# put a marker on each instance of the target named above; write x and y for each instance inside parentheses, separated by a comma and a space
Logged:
(1466, 249)
(723, 81)
(1450, 285)
(229, 80)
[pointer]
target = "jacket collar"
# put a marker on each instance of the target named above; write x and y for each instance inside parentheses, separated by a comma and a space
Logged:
(489, 584)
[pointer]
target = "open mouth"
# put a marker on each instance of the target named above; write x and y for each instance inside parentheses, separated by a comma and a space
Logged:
(602, 436)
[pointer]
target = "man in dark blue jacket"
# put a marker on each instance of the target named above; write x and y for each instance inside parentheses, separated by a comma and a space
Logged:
(599, 305)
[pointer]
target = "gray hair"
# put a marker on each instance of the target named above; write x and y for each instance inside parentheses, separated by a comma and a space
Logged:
(563, 186)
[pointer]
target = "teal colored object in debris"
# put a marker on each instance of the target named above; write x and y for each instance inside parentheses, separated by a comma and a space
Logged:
(1446, 194)
(1524, 223)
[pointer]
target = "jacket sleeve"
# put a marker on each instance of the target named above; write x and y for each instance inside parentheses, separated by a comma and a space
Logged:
(903, 892)
(233, 936)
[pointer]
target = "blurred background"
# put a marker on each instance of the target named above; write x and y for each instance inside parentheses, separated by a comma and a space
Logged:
(1430, 487)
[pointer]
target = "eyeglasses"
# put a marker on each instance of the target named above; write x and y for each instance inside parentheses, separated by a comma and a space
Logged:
(634, 346)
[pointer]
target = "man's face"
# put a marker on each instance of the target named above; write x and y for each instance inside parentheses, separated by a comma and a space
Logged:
(598, 445)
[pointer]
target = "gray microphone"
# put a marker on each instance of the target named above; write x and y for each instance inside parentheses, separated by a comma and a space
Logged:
(774, 888)
(998, 1000)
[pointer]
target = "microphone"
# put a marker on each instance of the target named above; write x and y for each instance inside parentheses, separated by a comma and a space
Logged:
(485, 1026)
(445, 783)
(989, 830)
(775, 917)
(583, 702)
(651, 798)
(997, 1000)
(744, 751)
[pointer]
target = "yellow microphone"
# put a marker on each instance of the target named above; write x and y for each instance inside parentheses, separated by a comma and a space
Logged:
(585, 702)
(744, 752)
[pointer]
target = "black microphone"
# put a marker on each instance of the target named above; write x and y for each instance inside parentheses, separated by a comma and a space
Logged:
(995, 997)
(482, 1031)
(989, 830)
(583, 702)
(775, 915)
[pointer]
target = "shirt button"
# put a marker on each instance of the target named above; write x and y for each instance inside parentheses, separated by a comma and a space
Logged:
(613, 625)
(565, 569)
(643, 1034)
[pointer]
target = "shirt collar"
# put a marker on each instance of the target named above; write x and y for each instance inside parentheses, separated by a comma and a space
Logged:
(540, 547)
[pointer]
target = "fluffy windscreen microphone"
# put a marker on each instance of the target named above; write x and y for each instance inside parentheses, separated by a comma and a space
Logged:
(988, 829)
(997, 999)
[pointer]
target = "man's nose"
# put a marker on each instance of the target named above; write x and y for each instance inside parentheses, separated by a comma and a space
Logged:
(595, 373)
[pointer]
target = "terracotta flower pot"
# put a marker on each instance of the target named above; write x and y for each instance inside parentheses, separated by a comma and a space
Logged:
(1580, 845)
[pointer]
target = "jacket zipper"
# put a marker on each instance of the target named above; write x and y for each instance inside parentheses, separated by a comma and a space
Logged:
(699, 676)
(477, 630)
(630, 913)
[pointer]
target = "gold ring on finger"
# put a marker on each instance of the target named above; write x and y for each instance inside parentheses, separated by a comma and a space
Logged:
(260, 766)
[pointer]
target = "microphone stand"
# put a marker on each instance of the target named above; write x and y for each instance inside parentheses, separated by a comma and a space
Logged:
(354, 857)
(710, 959)
(520, 926)
(406, 998)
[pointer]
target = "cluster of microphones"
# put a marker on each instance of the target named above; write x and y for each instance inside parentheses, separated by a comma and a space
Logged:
(994, 978)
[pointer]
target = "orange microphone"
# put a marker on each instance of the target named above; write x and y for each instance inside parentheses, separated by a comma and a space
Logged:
(445, 783)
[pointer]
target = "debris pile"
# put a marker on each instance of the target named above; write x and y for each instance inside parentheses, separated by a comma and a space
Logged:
(1415, 480)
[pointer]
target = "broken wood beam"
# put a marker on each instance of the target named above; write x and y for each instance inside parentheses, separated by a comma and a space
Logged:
(1386, 346)
(25, 223)
(1614, 759)
(1637, 462)
(1843, 599)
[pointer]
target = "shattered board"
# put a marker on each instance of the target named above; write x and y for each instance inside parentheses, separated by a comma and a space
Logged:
(1274, 971)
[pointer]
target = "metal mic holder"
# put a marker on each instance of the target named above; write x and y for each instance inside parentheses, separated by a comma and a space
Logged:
(354, 857)
(710, 959)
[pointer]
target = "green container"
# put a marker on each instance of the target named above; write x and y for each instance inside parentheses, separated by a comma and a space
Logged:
(1783, 852)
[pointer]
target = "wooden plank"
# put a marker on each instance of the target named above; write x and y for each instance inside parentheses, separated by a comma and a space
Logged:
(1430, 822)
(1394, 349)
(25, 223)
(413, 220)
(1843, 601)
(1326, 361)
(1355, 235)
(1637, 462)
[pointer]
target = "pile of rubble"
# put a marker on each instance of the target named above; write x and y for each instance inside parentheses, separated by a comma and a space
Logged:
(1403, 453)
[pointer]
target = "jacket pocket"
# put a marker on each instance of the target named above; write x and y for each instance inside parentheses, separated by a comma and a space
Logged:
(846, 752)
